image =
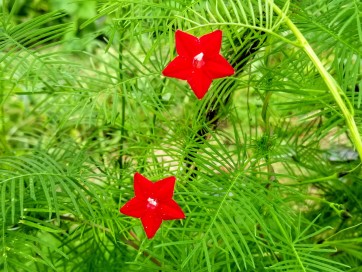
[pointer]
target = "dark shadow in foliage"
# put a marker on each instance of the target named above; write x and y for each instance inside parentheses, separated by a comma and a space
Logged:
(214, 110)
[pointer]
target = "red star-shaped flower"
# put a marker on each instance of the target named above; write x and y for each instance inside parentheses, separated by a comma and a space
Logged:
(198, 61)
(153, 203)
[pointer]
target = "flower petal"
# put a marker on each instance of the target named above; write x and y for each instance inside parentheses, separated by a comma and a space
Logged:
(164, 188)
(180, 67)
(210, 43)
(142, 186)
(218, 67)
(170, 210)
(200, 83)
(135, 208)
(151, 223)
(187, 45)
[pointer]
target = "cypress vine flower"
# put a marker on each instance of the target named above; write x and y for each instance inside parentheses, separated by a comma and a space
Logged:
(198, 61)
(153, 203)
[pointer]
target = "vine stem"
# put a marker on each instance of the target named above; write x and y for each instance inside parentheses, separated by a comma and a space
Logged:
(332, 85)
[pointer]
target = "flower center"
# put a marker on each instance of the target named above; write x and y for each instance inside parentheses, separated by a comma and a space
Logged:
(152, 203)
(198, 61)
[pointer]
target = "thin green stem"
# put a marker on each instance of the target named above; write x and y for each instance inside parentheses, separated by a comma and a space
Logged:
(317, 180)
(262, 29)
(159, 96)
(123, 132)
(123, 109)
(332, 85)
(265, 113)
(276, 219)
(338, 208)
(268, 135)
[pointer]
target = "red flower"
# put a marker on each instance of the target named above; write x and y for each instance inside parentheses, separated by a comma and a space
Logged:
(198, 61)
(153, 203)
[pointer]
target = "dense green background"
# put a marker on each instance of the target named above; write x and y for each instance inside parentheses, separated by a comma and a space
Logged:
(267, 164)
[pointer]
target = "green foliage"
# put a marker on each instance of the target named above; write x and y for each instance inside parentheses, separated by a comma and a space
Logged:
(266, 167)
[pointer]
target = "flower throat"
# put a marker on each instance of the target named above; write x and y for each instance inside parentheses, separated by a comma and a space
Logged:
(198, 61)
